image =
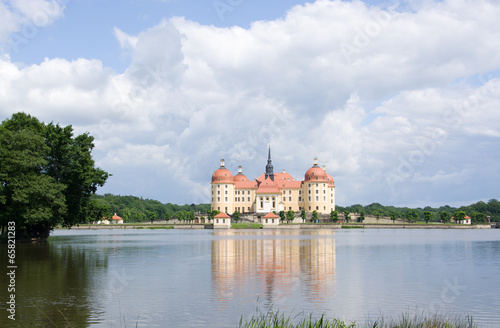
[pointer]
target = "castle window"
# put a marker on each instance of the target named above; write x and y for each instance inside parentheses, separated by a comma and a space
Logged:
(218, 199)
(226, 199)
(309, 198)
(324, 191)
(317, 198)
(218, 186)
(300, 199)
(317, 191)
(289, 192)
(324, 198)
(290, 208)
(300, 192)
(249, 192)
(324, 207)
(226, 210)
(212, 199)
(218, 192)
(225, 186)
(331, 201)
(309, 208)
(289, 199)
(309, 191)
(317, 208)
(248, 198)
(249, 209)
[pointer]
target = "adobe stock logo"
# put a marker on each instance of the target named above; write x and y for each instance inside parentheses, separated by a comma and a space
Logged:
(30, 27)
(371, 29)
(224, 6)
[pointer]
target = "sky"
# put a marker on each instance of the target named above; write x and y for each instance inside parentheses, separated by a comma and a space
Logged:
(399, 99)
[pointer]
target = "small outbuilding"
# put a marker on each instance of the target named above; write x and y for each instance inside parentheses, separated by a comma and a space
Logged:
(117, 219)
(222, 221)
(270, 220)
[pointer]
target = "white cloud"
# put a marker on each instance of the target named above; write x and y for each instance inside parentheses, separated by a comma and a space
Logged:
(193, 91)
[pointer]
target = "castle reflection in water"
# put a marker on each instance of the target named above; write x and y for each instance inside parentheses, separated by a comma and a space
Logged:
(276, 264)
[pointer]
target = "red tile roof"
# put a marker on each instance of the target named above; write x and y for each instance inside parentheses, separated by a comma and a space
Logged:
(283, 180)
(222, 215)
(268, 187)
(116, 217)
(254, 184)
(271, 215)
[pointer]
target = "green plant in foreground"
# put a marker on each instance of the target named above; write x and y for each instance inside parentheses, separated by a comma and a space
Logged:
(279, 320)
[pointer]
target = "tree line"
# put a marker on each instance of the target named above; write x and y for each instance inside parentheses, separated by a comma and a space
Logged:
(478, 212)
(137, 209)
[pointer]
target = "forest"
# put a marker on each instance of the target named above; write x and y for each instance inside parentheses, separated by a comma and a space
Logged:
(137, 209)
(478, 211)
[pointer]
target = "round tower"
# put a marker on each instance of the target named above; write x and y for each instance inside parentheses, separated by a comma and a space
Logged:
(316, 191)
(222, 189)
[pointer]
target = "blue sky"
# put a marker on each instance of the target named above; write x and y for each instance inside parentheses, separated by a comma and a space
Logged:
(398, 98)
(86, 30)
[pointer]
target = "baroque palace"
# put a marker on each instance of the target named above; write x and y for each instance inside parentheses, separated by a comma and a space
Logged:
(272, 191)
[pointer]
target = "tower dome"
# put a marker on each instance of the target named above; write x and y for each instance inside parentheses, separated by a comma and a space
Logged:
(222, 175)
(315, 173)
(240, 177)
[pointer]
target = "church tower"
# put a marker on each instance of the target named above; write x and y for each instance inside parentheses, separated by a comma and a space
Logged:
(269, 166)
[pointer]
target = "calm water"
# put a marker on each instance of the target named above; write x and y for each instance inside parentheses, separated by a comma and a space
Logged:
(191, 278)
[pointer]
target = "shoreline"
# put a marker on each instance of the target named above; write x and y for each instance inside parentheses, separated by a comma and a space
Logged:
(285, 226)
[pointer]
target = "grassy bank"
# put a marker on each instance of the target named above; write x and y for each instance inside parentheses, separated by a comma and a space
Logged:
(245, 225)
(152, 228)
(277, 320)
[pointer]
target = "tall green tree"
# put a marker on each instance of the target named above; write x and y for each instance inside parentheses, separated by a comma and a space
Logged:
(236, 216)
(290, 215)
(47, 176)
(445, 216)
(334, 216)
(315, 215)
(303, 215)
(427, 216)
(282, 216)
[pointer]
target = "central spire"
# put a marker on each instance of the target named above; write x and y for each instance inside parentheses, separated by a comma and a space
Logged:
(269, 166)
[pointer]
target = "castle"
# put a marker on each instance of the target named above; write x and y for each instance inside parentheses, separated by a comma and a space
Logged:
(272, 191)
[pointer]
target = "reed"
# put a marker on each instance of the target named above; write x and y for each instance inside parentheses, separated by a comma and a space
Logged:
(406, 320)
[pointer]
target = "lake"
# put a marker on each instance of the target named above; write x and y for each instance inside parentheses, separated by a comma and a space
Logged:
(209, 278)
